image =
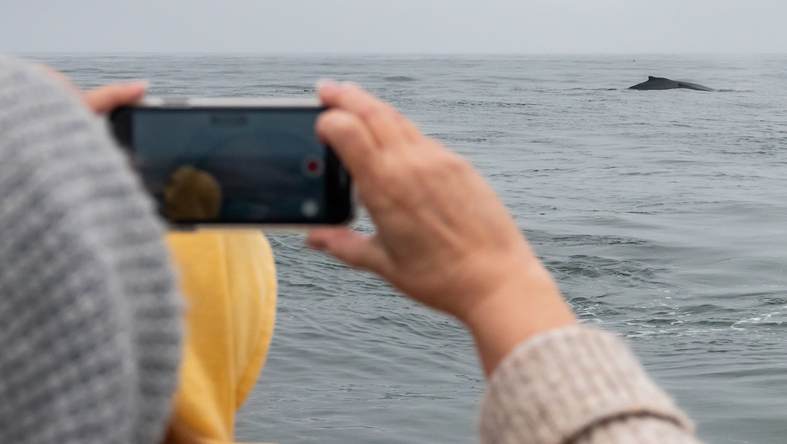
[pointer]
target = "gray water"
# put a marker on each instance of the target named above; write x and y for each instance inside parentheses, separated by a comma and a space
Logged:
(662, 215)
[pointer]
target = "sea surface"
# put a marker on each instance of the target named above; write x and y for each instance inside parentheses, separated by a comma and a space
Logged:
(661, 214)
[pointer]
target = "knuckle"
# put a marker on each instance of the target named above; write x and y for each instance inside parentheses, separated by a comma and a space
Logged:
(410, 126)
(439, 164)
(374, 110)
(370, 111)
(457, 164)
(416, 164)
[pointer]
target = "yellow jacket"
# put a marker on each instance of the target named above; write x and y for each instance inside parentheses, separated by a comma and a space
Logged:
(229, 282)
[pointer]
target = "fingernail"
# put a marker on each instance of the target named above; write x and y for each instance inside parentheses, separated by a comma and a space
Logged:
(350, 85)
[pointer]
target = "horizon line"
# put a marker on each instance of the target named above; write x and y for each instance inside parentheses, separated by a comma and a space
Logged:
(382, 54)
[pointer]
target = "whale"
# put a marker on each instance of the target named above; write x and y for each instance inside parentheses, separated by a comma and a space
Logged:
(660, 83)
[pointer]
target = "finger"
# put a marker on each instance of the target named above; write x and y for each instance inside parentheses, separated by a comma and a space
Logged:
(106, 98)
(350, 247)
(388, 126)
(351, 140)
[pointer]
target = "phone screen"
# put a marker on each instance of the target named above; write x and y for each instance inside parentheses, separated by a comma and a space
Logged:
(237, 165)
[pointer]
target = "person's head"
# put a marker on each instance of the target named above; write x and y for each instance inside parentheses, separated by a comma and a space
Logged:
(192, 195)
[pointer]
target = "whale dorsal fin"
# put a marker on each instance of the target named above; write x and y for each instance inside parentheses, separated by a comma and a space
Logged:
(652, 78)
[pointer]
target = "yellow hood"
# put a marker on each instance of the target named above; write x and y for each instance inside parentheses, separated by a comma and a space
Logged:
(229, 281)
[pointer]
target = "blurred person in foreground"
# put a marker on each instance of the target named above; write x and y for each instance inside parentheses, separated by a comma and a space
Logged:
(89, 324)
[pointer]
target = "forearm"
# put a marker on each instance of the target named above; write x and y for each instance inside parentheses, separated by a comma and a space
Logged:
(578, 385)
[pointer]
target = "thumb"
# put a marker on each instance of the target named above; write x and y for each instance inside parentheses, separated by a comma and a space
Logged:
(106, 98)
(351, 248)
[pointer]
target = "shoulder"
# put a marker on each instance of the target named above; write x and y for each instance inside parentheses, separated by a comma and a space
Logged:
(90, 293)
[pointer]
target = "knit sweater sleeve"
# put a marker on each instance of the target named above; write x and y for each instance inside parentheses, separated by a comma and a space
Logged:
(89, 316)
(580, 386)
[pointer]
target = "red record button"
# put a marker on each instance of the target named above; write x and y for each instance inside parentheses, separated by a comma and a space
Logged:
(313, 167)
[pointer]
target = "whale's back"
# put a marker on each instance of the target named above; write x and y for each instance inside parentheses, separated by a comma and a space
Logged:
(661, 83)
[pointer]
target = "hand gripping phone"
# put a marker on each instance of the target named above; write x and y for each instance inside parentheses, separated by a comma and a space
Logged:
(224, 163)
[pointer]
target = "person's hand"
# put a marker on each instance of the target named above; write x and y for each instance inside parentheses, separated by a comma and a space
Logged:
(105, 98)
(443, 237)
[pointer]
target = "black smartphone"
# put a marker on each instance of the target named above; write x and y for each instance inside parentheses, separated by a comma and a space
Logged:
(234, 162)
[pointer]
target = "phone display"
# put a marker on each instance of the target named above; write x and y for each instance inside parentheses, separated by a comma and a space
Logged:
(234, 165)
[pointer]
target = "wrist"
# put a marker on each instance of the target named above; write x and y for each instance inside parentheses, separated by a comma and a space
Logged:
(519, 309)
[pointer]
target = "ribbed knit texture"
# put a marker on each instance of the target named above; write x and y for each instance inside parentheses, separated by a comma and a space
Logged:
(89, 315)
(577, 385)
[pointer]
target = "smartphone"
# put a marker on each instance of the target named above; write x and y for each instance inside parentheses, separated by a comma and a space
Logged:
(235, 162)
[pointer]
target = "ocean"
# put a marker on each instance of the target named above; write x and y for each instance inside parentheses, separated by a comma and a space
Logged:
(661, 214)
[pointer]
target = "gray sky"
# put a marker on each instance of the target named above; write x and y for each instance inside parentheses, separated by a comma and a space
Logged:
(394, 26)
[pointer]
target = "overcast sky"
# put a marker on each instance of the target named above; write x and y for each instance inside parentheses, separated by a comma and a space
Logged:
(394, 26)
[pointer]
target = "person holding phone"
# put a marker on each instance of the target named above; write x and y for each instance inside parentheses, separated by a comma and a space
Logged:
(443, 238)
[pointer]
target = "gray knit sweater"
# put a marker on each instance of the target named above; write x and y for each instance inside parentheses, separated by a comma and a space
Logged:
(89, 330)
